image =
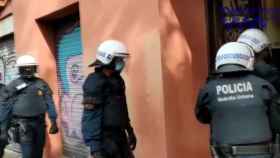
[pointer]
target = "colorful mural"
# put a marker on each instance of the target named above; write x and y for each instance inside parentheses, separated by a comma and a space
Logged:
(69, 61)
(8, 70)
(71, 99)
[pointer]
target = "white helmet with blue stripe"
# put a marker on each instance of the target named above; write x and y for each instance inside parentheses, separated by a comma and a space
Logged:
(255, 38)
(26, 60)
(234, 56)
(108, 50)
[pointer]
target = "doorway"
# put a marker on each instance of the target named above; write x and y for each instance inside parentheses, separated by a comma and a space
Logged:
(228, 18)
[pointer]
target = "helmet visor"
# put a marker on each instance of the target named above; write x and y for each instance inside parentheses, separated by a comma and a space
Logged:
(27, 71)
(96, 63)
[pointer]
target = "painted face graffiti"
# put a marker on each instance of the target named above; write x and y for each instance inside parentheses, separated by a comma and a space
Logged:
(75, 74)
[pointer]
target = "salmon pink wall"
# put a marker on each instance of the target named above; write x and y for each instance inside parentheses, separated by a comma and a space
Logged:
(136, 24)
(184, 65)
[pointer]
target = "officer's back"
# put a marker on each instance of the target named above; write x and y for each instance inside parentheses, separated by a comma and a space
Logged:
(236, 104)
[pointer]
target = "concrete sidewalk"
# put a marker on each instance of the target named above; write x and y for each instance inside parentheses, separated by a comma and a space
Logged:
(14, 154)
(11, 154)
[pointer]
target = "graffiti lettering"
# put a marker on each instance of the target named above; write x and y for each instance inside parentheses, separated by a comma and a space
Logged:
(9, 71)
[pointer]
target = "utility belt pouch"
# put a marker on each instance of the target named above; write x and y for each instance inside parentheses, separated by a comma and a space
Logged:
(25, 132)
(13, 134)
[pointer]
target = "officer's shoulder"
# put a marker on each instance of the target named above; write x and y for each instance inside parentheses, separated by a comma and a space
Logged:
(255, 77)
(41, 81)
(212, 76)
(259, 80)
(209, 82)
(95, 77)
(266, 69)
(211, 79)
(265, 66)
(15, 82)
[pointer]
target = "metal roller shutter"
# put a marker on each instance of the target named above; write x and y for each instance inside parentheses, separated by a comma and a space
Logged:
(8, 60)
(69, 63)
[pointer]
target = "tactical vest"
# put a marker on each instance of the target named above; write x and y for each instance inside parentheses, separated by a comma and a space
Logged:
(115, 109)
(238, 110)
(30, 101)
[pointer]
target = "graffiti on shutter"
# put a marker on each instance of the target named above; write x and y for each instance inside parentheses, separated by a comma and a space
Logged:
(69, 62)
(72, 96)
(8, 60)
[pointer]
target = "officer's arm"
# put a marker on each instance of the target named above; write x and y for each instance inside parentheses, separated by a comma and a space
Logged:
(50, 104)
(93, 92)
(129, 127)
(272, 99)
(51, 108)
(275, 78)
(131, 137)
(274, 113)
(201, 111)
(92, 129)
(93, 101)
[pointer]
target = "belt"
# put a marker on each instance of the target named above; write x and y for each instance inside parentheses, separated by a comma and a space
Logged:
(39, 117)
(112, 129)
(246, 149)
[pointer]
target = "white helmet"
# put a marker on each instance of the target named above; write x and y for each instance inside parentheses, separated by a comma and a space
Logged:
(236, 56)
(108, 50)
(255, 38)
(26, 60)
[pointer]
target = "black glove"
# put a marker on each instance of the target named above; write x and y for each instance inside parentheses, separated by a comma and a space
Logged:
(53, 129)
(131, 138)
(98, 154)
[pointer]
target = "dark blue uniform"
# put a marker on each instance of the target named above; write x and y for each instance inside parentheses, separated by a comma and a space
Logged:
(237, 107)
(105, 117)
(28, 100)
(3, 129)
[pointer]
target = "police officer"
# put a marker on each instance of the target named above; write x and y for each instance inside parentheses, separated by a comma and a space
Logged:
(105, 123)
(237, 106)
(260, 43)
(3, 131)
(30, 98)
